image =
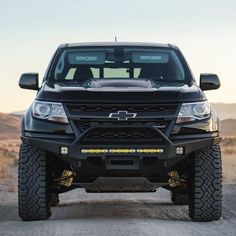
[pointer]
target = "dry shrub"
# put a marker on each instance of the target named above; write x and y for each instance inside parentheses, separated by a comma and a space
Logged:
(9, 149)
(228, 142)
(6, 165)
(228, 147)
(229, 168)
(8, 160)
(229, 150)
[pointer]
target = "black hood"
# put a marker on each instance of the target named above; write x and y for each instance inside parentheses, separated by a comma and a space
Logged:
(121, 91)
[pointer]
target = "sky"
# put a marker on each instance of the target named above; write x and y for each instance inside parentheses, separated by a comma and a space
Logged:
(30, 31)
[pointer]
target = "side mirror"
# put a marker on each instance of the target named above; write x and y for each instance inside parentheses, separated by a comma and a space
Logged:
(29, 81)
(209, 81)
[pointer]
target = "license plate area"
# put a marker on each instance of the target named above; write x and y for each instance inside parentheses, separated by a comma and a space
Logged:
(122, 163)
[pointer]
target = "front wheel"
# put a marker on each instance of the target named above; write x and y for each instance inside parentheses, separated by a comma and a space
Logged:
(33, 189)
(206, 185)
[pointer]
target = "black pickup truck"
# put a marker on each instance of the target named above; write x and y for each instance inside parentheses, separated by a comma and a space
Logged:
(120, 117)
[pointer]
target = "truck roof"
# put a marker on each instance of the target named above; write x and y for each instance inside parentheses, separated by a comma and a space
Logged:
(112, 44)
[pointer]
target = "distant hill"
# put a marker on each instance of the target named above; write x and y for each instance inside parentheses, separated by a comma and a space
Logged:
(18, 113)
(228, 127)
(9, 126)
(225, 111)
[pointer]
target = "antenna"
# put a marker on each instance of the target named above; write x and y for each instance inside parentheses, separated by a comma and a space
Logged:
(115, 39)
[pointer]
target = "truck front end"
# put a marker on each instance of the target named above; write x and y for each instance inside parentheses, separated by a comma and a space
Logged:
(120, 117)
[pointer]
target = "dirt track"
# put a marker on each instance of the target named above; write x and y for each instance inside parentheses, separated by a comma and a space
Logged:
(117, 214)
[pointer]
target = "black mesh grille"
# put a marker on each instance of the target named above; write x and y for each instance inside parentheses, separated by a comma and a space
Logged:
(165, 109)
(84, 125)
(111, 135)
(95, 125)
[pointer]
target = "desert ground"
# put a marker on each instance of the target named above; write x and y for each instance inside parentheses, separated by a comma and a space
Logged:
(81, 213)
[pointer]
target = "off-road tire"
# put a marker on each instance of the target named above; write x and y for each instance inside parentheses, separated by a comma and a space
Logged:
(179, 198)
(54, 200)
(206, 185)
(33, 191)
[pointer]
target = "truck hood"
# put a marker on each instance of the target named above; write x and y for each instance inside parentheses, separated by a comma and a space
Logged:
(121, 91)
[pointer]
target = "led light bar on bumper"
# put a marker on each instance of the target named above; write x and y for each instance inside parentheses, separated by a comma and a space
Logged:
(194, 111)
(52, 111)
(121, 150)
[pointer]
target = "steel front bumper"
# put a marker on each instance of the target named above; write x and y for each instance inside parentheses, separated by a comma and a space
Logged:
(78, 151)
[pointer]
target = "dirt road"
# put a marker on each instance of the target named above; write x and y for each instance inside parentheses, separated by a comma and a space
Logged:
(117, 214)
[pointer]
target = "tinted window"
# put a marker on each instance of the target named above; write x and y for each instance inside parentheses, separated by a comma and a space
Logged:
(79, 65)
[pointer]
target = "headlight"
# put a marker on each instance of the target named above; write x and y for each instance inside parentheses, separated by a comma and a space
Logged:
(194, 111)
(49, 111)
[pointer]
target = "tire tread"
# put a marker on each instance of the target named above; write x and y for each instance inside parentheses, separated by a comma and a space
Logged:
(206, 186)
(33, 200)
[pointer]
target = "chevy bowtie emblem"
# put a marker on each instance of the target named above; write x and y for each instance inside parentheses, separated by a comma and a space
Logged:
(122, 115)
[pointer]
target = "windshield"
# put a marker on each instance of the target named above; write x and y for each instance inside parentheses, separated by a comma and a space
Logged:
(81, 65)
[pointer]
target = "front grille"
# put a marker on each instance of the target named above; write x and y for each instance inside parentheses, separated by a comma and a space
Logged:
(94, 125)
(166, 109)
(83, 125)
(121, 135)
